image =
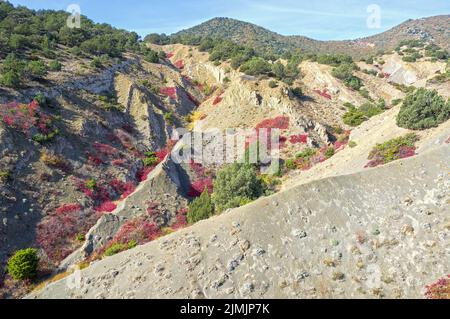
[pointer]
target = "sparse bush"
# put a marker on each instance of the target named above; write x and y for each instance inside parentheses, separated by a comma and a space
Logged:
(91, 184)
(352, 144)
(23, 264)
(297, 92)
(55, 66)
(235, 184)
(273, 84)
(36, 69)
(119, 247)
(4, 176)
(200, 208)
(329, 152)
(96, 63)
(150, 159)
(423, 109)
(439, 290)
(397, 148)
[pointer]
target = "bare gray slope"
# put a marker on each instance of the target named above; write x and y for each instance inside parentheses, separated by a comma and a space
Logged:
(380, 232)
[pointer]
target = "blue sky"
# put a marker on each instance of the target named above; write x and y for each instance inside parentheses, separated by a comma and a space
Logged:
(320, 19)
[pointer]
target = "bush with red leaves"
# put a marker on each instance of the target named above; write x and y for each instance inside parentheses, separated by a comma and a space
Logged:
(192, 99)
(105, 150)
(324, 94)
(179, 64)
(139, 230)
(299, 139)
(56, 233)
(119, 162)
(202, 180)
(24, 117)
(217, 100)
(280, 122)
(181, 219)
(439, 289)
(199, 185)
(106, 207)
(169, 55)
(153, 209)
(169, 91)
(143, 173)
(68, 208)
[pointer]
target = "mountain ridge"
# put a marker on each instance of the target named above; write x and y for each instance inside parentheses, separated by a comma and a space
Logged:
(432, 29)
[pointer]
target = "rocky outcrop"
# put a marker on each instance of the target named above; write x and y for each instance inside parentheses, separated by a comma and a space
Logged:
(379, 233)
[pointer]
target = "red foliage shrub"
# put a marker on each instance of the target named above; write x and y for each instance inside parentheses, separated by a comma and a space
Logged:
(192, 99)
(169, 55)
(23, 117)
(280, 122)
(447, 141)
(324, 94)
(94, 159)
(405, 151)
(299, 139)
(199, 185)
(143, 173)
(179, 64)
(387, 75)
(181, 220)
(128, 189)
(68, 208)
(139, 230)
(217, 100)
(125, 139)
(119, 162)
(104, 149)
(169, 91)
(56, 233)
(153, 209)
(439, 289)
(106, 207)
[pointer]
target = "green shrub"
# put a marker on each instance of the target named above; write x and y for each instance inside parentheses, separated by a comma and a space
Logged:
(423, 109)
(169, 117)
(55, 66)
(96, 63)
(23, 264)
(396, 102)
(329, 152)
(306, 154)
(119, 247)
(150, 159)
(37, 69)
(91, 184)
(297, 92)
(389, 151)
(354, 117)
(256, 66)
(4, 176)
(41, 99)
(273, 84)
(235, 184)
(201, 208)
(352, 144)
(10, 79)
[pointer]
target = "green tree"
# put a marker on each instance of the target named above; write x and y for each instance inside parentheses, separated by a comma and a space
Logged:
(256, 66)
(36, 69)
(200, 208)
(423, 109)
(23, 264)
(236, 184)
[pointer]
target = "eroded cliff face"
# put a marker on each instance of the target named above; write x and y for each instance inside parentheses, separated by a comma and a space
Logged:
(318, 238)
(384, 232)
